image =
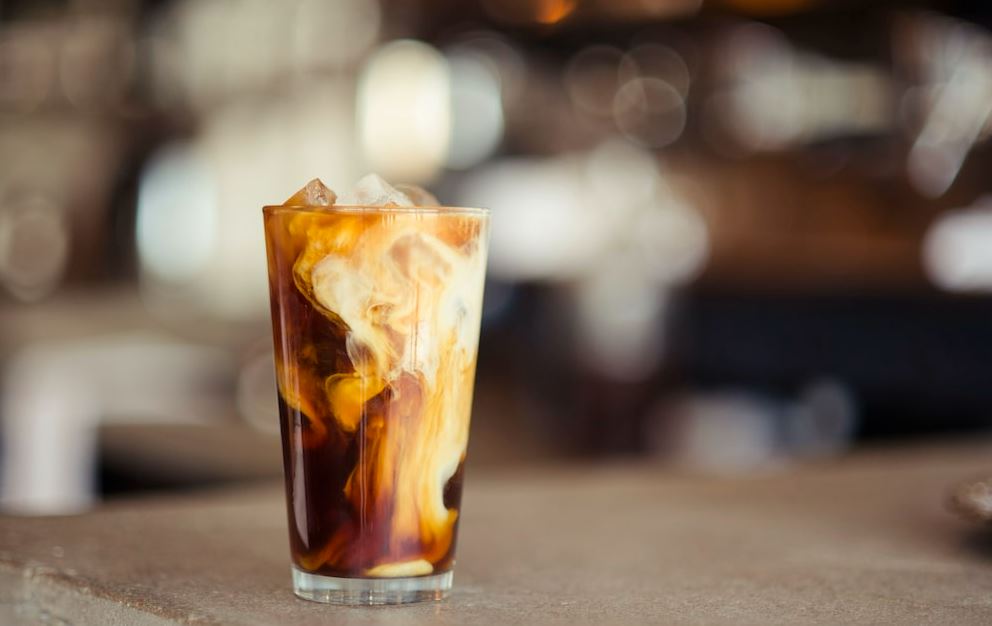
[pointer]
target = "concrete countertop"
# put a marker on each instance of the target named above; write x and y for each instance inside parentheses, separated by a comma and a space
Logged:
(865, 539)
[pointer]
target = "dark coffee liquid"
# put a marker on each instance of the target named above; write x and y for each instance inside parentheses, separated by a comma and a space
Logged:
(321, 517)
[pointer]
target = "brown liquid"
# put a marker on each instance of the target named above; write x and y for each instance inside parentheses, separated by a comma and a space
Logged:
(329, 523)
(373, 426)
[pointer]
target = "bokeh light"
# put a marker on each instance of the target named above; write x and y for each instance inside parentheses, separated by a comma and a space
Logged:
(653, 60)
(177, 215)
(649, 111)
(96, 62)
(958, 111)
(592, 79)
(476, 109)
(765, 108)
(34, 245)
(619, 314)
(558, 218)
(404, 111)
(27, 67)
(501, 55)
(777, 96)
(228, 46)
(334, 33)
(957, 250)
(531, 198)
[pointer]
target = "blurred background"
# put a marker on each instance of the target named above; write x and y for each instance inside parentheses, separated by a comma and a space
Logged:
(729, 235)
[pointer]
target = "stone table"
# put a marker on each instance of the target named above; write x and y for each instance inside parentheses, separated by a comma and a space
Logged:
(865, 539)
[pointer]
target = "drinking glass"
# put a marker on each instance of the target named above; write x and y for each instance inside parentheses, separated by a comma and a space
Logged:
(375, 318)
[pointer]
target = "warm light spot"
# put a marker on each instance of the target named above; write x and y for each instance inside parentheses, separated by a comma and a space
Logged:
(526, 12)
(553, 11)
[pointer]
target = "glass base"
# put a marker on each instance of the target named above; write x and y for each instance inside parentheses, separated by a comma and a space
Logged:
(370, 591)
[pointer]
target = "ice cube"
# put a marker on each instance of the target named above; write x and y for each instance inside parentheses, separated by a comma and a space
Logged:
(372, 190)
(315, 193)
(418, 195)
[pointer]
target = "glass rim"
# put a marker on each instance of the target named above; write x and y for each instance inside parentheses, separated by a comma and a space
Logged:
(372, 208)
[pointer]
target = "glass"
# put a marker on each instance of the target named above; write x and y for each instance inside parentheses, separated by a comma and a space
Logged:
(375, 317)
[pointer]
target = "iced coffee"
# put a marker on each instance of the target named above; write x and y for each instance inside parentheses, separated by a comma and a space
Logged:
(376, 306)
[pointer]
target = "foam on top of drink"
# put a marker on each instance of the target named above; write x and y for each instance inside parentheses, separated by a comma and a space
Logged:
(406, 287)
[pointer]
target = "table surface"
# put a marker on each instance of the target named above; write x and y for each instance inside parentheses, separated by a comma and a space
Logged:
(865, 539)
